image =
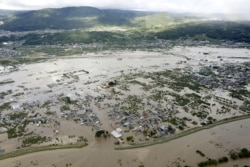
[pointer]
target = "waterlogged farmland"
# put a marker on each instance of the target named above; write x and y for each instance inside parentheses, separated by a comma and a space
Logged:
(128, 98)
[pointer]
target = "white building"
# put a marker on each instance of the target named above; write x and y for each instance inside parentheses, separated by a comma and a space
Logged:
(116, 134)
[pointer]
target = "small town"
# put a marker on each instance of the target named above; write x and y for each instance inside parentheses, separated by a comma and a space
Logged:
(136, 106)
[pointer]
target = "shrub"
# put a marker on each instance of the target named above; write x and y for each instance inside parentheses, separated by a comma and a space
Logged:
(201, 153)
(234, 156)
(223, 160)
(130, 138)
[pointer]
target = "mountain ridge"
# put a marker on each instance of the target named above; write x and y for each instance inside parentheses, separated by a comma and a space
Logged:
(117, 25)
(67, 18)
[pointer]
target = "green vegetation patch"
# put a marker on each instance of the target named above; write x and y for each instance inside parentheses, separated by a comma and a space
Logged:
(28, 141)
(239, 94)
(182, 101)
(210, 162)
(5, 106)
(134, 103)
(64, 108)
(18, 115)
(176, 80)
(2, 94)
(17, 131)
(245, 106)
(46, 104)
(67, 100)
(216, 30)
(158, 95)
(244, 153)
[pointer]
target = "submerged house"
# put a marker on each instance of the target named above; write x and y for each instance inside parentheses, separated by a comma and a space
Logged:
(2, 151)
(116, 134)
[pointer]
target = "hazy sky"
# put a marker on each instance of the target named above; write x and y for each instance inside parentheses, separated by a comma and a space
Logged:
(197, 6)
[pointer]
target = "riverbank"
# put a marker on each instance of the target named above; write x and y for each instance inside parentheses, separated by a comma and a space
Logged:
(214, 143)
(184, 133)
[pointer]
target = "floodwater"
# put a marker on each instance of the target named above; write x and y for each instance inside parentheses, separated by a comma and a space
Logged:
(34, 79)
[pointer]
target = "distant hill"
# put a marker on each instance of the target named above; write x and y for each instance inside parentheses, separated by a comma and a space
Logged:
(89, 24)
(219, 30)
(68, 18)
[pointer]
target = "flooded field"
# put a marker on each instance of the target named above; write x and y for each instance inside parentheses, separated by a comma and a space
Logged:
(143, 95)
(214, 143)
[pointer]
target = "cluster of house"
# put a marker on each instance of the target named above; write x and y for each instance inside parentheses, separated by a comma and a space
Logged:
(89, 118)
(5, 53)
(123, 120)
(7, 69)
(228, 76)
(151, 124)
(19, 114)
